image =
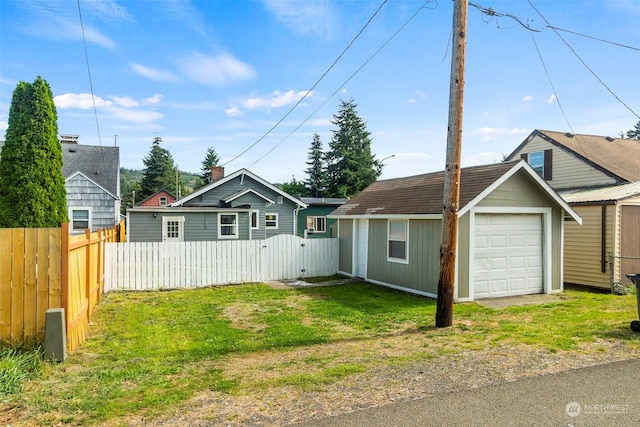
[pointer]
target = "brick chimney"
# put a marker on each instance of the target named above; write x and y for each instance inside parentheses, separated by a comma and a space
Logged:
(217, 173)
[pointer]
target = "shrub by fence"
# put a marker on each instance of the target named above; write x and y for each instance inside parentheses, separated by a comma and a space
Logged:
(42, 268)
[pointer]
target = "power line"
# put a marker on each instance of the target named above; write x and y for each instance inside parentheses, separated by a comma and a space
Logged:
(343, 84)
(312, 87)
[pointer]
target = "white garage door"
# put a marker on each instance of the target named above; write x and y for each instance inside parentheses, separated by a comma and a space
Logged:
(507, 255)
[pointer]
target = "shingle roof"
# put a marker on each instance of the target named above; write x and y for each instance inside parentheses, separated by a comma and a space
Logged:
(99, 164)
(420, 194)
(617, 156)
(602, 194)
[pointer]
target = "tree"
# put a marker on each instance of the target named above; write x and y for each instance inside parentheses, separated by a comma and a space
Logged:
(295, 188)
(211, 160)
(350, 165)
(32, 192)
(159, 172)
(635, 132)
(316, 171)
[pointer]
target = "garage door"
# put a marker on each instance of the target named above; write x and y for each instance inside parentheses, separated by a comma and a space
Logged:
(507, 255)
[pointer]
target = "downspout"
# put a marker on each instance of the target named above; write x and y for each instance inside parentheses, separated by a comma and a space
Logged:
(603, 238)
(295, 222)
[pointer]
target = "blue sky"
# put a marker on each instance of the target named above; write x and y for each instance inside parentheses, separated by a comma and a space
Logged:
(221, 74)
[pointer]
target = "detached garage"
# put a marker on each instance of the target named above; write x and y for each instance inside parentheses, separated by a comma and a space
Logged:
(510, 233)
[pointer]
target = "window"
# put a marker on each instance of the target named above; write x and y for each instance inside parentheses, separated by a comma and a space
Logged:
(228, 226)
(163, 201)
(271, 220)
(317, 224)
(172, 228)
(398, 237)
(541, 162)
(254, 220)
(80, 219)
(280, 200)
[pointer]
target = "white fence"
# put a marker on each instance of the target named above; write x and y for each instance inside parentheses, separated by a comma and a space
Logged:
(167, 265)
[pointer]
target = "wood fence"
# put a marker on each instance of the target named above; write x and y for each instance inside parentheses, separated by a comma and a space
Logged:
(170, 265)
(42, 268)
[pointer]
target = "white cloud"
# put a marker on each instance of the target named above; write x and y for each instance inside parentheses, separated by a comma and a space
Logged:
(136, 116)
(233, 112)
(411, 101)
(109, 9)
(310, 17)
(551, 99)
(153, 100)
(82, 101)
(154, 74)
(276, 99)
(125, 102)
(3, 125)
(216, 71)
(527, 98)
(481, 159)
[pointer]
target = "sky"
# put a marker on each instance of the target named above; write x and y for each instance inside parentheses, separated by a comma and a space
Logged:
(228, 74)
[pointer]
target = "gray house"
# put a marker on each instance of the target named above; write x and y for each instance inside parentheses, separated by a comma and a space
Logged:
(92, 180)
(239, 206)
(510, 240)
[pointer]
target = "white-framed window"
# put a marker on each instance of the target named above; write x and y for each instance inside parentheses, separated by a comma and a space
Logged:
(163, 201)
(172, 228)
(255, 222)
(398, 239)
(316, 224)
(80, 218)
(227, 225)
(271, 221)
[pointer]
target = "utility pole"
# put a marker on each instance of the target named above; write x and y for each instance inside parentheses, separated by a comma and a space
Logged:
(451, 199)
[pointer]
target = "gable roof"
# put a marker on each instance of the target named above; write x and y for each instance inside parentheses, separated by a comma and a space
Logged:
(99, 164)
(241, 193)
(141, 202)
(232, 176)
(423, 194)
(78, 173)
(616, 157)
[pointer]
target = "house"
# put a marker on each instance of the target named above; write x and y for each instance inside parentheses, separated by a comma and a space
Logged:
(313, 222)
(598, 177)
(159, 198)
(510, 235)
(238, 206)
(92, 181)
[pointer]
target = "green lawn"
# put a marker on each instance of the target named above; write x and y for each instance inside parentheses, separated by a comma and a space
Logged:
(151, 351)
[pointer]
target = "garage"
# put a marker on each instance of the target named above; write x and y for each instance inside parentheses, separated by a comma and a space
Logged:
(507, 256)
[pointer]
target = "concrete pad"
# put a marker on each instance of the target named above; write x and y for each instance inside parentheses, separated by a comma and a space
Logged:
(498, 303)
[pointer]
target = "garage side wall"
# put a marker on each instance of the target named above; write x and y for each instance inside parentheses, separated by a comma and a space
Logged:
(345, 242)
(421, 272)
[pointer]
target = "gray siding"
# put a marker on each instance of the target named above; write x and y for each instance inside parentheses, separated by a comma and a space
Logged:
(345, 242)
(421, 273)
(81, 192)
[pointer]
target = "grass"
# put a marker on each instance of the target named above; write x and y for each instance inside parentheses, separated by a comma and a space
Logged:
(16, 367)
(151, 351)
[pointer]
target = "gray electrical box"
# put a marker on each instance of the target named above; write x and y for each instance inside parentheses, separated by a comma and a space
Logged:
(55, 335)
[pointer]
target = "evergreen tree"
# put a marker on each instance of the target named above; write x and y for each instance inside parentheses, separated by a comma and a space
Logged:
(635, 132)
(32, 192)
(159, 172)
(316, 171)
(350, 165)
(295, 188)
(211, 160)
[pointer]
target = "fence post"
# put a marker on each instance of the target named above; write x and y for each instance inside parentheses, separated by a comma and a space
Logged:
(64, 270)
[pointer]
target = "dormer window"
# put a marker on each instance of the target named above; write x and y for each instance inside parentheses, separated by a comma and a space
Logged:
(163, 201)
(541, 162)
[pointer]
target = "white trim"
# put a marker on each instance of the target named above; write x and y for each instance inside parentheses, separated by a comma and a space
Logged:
(402, 288)
(541, 182)
(236, 225)
(89, 209)
(239, 173)
(257, 212)
(393, 216)
(313, 219)
(547, 244)
(404, 260)
(92, 181)
(167, 209)
(180, 221)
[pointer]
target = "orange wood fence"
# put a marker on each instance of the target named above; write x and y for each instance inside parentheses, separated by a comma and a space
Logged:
(42, 268)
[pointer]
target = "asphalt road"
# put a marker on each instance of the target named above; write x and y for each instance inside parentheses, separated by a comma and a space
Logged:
(604, 395)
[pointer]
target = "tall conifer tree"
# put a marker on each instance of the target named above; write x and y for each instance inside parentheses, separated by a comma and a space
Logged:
(316, 171)
(32, 192)
(159, 172)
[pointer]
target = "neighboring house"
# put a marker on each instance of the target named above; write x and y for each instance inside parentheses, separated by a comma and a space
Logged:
(159, 198)
(313, 221)
(599, 178)
(92, 181)
(239, 206)
(511, 225)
